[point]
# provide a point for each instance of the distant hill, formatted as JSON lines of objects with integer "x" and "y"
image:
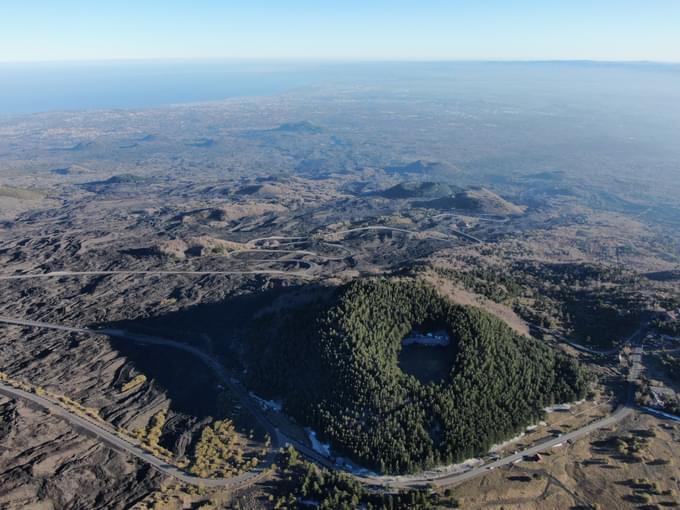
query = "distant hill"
{"x": 249, "y": 190}
{"x": 202, "y": 142}
{"x": 115, "y": 180}
{"x": 265, "y": 189}
{"x": 664, "y": 276}
{"x": 73, "y": 148}
{"x": 479, "y": 200}
{"x": 421, "y": 167}
{"x": 298, "y": 127}
{"x": 426, "y": 189}
{"x": 122, "y": 179}
{"x": 313, "y": 167}
{"x": 547, "y": 176}
{"x": 229, "y": 211}
{"x": 20, "y": 193}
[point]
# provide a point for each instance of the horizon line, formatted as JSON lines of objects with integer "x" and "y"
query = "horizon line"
{"x": 340, "y": 60}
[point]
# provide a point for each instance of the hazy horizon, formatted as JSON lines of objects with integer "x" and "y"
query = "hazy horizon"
{"x": 77, "y": 86}
{"x": 341, "y": 60}
{"x": 621, "y": 30}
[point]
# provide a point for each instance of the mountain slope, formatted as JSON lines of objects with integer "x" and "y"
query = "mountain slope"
{"x": 336, "y": 368}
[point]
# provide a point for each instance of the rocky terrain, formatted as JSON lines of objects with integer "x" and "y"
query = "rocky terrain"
{"x": 188, "y": 221}
{"x": 476, "y": 201}
{"x": 46, "y": 464}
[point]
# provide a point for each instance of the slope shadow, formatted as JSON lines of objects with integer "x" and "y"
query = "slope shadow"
{"x": 217, "y": 328}
{"x": 191, "y": 389}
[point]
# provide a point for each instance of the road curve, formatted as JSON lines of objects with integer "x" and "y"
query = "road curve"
{"x": 442, "y": 237}
{"x": 117, "y": 442}
{"x": 252, "y": 242}
{"x": 280, "y": 439}
{"x": 120, "y": 444}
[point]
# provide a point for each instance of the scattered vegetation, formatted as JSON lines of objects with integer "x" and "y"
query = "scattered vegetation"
{"x": 671, "y": 328}
{"x": 150, "y": 437}
{"x": 672, "y": 406}
{"x": 631, "y": 448}
{"x": 671, "y": 366}
{"x": 154, "y": 433}
{"x": 136, "y": 381}
{"x": 595, "y": 304}
{"x": 495, "y": 285}
{"x": 66, "y": 402}
{"x": 644, "y": 395}
{"x": 20, "y": 193}
{"x": 220, "y": 452}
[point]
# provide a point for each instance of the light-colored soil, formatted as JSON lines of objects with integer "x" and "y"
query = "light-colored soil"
{"x": 459, "y": 295}
{"x": 585, "y": 473}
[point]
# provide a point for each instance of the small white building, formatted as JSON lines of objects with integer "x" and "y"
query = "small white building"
{"x": 437, "y": 338}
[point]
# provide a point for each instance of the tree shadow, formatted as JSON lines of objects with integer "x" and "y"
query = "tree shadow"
{"x": 196, "y": 393}
{"x": 519, "y": 478}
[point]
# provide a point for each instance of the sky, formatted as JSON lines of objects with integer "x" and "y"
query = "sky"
{"x": 51, "y": 30}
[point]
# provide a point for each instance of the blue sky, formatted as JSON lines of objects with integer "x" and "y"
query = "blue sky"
{"x": 46, "y": 30}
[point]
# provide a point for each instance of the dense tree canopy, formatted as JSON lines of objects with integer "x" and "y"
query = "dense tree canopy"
{"x": 336, "y": 369}
{"x": 305, "y": 485}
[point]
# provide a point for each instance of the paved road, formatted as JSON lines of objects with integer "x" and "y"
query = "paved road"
{"x": 279, "y": 438}
{"x": 481, "y": 217}
{"x": 117, "y": 442}
{"x": 53, "y": 274}
{"x": 441, "y": 237}
{"x": 575, "y": 345}
{"x": 254, "y": 242}
{"x": 455, "y": 479}
{"x": 620, "y": 413}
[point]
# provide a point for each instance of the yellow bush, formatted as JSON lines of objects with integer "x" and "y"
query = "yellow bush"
{"x": 137, "y": 380}
{"x": 218, "y": 452}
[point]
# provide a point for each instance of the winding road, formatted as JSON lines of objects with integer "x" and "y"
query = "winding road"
{"x": 304, "y": 274}
{"x": 57, "y": 274}
{"x": 278, "y": 438}
{"x": 441, "y": 237}
{"x": 118, "y": 442}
